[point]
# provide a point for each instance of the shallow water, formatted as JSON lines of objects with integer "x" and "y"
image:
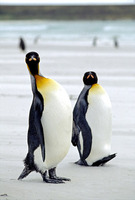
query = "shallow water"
{"x": 70, "y": 31}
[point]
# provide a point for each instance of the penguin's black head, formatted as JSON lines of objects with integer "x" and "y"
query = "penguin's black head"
{"x": 90, "y": 78}
{"x": 32, "y": 59}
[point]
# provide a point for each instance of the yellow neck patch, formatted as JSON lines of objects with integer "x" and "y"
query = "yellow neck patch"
{"x": 45, "y": 84}
{"x": 96, "y": 88}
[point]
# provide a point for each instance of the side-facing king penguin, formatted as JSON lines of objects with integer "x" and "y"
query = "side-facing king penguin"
{"x": 50, "y": 125}
{"x": 92, "y": 123}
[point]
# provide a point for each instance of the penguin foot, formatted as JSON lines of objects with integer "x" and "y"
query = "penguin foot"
{"x": 24, "y": 173}
{"x": 104, "y": 160}
{"x": 52, "y": 177}
{"x": 81, "y": 162}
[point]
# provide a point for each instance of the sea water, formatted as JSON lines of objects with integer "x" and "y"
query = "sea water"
{"x": 67, "y": 32}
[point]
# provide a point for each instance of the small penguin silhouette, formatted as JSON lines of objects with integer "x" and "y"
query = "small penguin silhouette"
{"x": 95, "y": 41}
{"x": 22, "y": 45}
{"x": 116, "y": 44}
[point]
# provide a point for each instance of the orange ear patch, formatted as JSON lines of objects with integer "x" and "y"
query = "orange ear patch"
{"x": 32, "y": 59}
{"x": 92, "y": 76}
{"x": 88, "y": 76}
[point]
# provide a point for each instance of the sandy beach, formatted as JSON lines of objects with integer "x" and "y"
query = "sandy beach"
{"x": 66, "y": 63}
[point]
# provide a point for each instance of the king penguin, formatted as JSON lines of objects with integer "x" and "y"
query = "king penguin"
{"x": 50, "y": 124}
{"x": 92, "y": 123}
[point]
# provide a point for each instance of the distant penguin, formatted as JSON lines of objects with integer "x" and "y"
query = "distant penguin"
{"x": 22, "y": 45}
{"x": 95, "y": 41}
{"x": 36, "y": 39}
{"x": 92, "y": 127}
{"x": 50, "y": 125}
{"x": 116, "y": 44}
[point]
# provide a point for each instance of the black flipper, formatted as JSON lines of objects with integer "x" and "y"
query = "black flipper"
{"x": 87, "y": 139}
{"x": 104, "y": 160}
{"x": 35, "y": 132}
{"x": 81, "y": 125}
{"x": 75, "y": 136}
{"x": 38, "y": 107}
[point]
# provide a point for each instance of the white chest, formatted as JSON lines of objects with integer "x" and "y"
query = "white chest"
{"x": 57, "y": 127}
{"x": 99, "y": 118}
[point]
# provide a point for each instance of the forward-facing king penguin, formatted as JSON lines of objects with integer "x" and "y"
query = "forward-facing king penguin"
{"x": 50, "y": 125}
{"x": 92, "y": 123}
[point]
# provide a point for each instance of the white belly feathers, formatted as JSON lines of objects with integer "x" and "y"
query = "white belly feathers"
{"x": 99, "y": 117}
{"x": 57, "y": 126}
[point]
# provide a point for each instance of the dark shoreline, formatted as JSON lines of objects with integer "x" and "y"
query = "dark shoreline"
{"x": 67, "y": 12}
